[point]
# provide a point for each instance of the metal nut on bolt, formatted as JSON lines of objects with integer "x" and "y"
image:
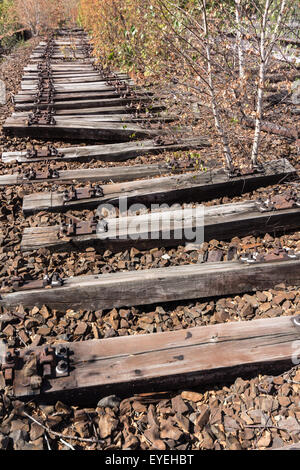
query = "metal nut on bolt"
{"x": 61, "y": 351}
{"x": 62, "y": 367}
{"x": 296, "y": 320}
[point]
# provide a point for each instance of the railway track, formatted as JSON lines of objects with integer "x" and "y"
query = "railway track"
{"x": 78, "y": 99}
{"x": 66, "y": 95}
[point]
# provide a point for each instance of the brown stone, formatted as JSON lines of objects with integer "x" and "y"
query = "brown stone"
{"x": 247, "y": 311}
{"x": 232, "y": 443}
{"x": 107, "y": 425}
{"x": 9, "y": 331}
{"x": 230, "y": 424}
{"x": 81, "y": 329}
{"x": 215, "y": 415}
{"x": 139, "y": 407}
{"x": 18, "y": 424}
{"x": 278, "y": 380}
{"x": 221, "y": 316}
{"x": 274, "y": 312}
{"x": 44, "y": 331}
{"x": 265, "y": 307}
{"x": 265, "y": 440}
{"x": 44, "y": 311}
{"x": 23, "y": 336}
{"x": 261, "y": 297}
{"x": 285, "y": 389}
{"x": 82, "y": 428}
{"x": 245, "y": 417}
{"x": 183, "y": 422}
{"x": 151, "y": 416}
{"x": 152, "y": 435}
{"x": 35, "y": 310}
{"x": 131, "y": 443}
{"x": 207, "y": 442}
{"x": 53, "y": 421}
{"x": 279, "y": 298}
{"x": 192, "y": 396}
{"x": 36, "y": 432}
{"x": 284, "y": 401}
{"x": 178, "y": 405}
{"x": 203, "y": 417}
{"x": 251, "y": 299}
{"x": 170, "y": 432}
{"x": 62, "y": 408}
{"x": 36, "y": 340}
{"x": 114, "y": 319}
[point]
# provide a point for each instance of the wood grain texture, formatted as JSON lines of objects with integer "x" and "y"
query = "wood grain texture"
{"x": 83, "y": 105}
{"x": 112, "y": 152}
{"x": 24, "y": 100}
{"x": 172, "y": 360}
{"x": 77, "y": 130}
{"x": 104, "y": 175}
{"x": 168, "y": 228}
{"x": 73, "y": 88}
{"x": 153, "y": 286}
{"x": 194, "y": 187}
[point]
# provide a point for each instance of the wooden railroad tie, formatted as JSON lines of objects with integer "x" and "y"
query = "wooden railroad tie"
{"x": 24, "y": 101}
{"x": 105, "y": 175}
{"x": 81, "y": 372}
{"x": 194, "y": 186}
{"x": 112, "y": 152}
{"x": 50, "y": 88}
{"x": 151, "y": 286}
{"x": 170, "y": 227}
{"x": 76, "y": 130}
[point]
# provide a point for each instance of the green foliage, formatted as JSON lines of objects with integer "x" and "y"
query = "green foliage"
{"x": 7, "y": 17}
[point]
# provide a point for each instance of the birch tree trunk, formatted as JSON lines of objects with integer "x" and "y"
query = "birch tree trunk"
{"x": 214, "y": 105}
{"x": 239, "y": 38}
{"x": 265, "y": 54}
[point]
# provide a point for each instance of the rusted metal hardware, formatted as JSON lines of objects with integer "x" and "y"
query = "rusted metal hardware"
{"x": 32, "y": 369}
{"x": 19, "y": 283}
{"x": 47, "y": 361}
{"x": 106, "y": 269}
{"x": 31, "y": 174}
{"x": 9, "y": 366}
{"x": 121, "y": 87}
{"x": 296, "y": 320}
{"x": 73, "y": 227}
{"x": 50, "y": 151}
{"x": 98, "y": 67}
{"x": 277, "y": 254}
{"x": 82, "y": 193}
{"x": 126, "y": 94}
{"x": 42, "y": 117}
{"x": 152, "y": 125}
{"x": 54, "y": 362}
{"x": 253, "y": 170}
{"x": 86, "y": 48}
{"x": 45, "y": 90}
{"x": 175, "y": 164}
{"x": 165, "y": 141}
{"x": 287, "y": 200}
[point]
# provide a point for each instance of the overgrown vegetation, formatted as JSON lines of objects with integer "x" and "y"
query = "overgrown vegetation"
{"x": 38, "y": 16}
{"x": 8, "y": 17}
{"x": 219, "y": 50}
